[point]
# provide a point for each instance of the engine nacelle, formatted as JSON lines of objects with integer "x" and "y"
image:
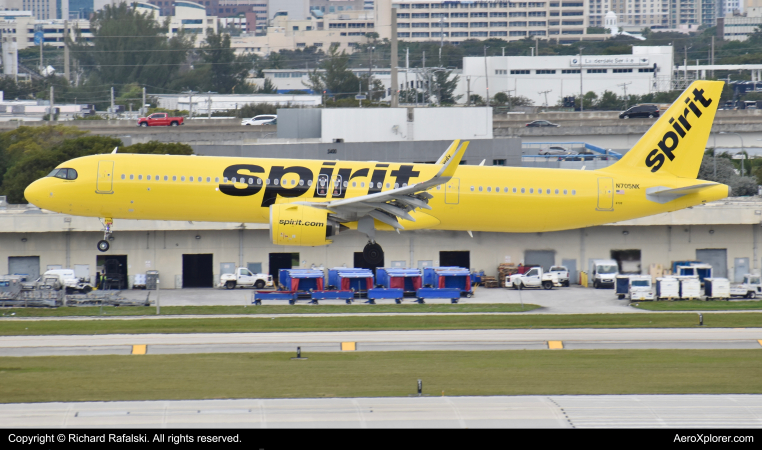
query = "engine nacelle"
{"x": 292, "y": 224}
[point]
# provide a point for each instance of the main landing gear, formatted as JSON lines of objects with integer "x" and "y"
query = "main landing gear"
{"x": 103, "y": 244}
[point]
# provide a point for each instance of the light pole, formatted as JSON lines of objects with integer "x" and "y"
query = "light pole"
{"x": 743, "y": 155}
{"x": 581, "y": 92}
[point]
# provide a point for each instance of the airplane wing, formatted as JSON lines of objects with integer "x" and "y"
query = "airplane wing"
{"x": 389, "y": 206}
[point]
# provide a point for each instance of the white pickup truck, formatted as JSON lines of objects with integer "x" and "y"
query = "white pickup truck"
{"x": 244, "y": 278}
{"x": 750, "y": 288}
{"x": 562, "y": 273}
{"x": 534, "y": 278}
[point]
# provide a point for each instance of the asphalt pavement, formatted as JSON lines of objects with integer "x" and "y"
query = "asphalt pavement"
{"x": 465, "y": 340}
{"x": 565, "y": 411}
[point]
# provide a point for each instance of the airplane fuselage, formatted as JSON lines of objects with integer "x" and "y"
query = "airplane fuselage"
{"x": 476, "y": 198}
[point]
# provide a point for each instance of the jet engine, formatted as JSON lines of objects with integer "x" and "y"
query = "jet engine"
{"x": 292, "y": 224}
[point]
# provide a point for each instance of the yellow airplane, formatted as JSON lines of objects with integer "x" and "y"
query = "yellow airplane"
{"x": 308, "y": 202}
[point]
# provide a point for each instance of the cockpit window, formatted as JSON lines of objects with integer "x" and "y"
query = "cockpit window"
{"x": 64, "y": 174}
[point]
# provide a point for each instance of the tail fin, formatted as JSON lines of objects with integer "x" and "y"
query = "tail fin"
{"x": 449, "y": 152}
{"x": 675, "y": 144}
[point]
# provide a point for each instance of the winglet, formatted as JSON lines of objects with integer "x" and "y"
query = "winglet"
{"x": 449, "y": 152}
{"x": 448, "y": 170}
{"x": 115, "y": 149}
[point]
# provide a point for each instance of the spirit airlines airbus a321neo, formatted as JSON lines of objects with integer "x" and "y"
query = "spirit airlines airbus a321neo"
{"x": 307, "y": 202}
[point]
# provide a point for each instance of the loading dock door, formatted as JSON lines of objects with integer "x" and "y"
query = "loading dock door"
{"x": 360, "y": 263}
{"x": 740, "y": 268}
{"x": 105, "y": 183}
{"x": 452, "y": 191}
{"x": 282, "y": 261}
{"x": 544, "y": 258}
{"x": 605, "y": 194}
{"x": 455, "y": 259}
{"x": 571, "y": 264}
{"x": 717, "y": 258}
{"x": 28, "y": 265}
{"x": 198, "y": 271}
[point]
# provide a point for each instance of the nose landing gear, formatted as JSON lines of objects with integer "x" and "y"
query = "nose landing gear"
{"x": 103, "y": 244}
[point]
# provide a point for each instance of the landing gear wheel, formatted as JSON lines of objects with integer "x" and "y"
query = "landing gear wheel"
{"x": 103, "y": 245}
{"x": 373, "y": 253}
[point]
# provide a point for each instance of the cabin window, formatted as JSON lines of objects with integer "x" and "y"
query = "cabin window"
{"x": 346, "y": 184}
{"x": 225, "y": 179}
{"x": 480, "y": 189}
{"x": 564, "y": 191}
{"x": 148, "y": 177}
{"x": 132, "y": 177}
{"x": 259, "y": 181}
{"x": 522, "y": 190}
{"x": 362, "y": 184}
{"x": 301, "y": 182}
{"x": 539, "y": 191}
{"x": 497, "y": 189}
{"x": 251, "y": 180}
{"x": 439, "y": 187}
{"x": 309, "y": 182}
{"x": 123, "y": 177}
{"x": 174, "y": 177}
{"x": 556, "y": 191}
{"x": 267, "y": 181}
{"x": 166, "y": 178}
{"x": 547, "y": 191}
{"x": 208, "y": 179}
{"x": 234, "y": 179}
{"x": 472, "y": 189}
{"x": 217, "y": 180}
{"x": 387, "y": 185}
{"x": 190, "y": 179}
{"x": 531, "y": 190}
{"x": 354, "y": 184}
{"x": 140, "y": 177}
{"x": 276, "y": 181}
{"x": 182, "y": 178}
{"x": 514, "y": 190}
{"x": 293, "y": 182}
{"x": 404, "y": 184}
{"x": 396, "y": 185}
{"x": 574, "y": 192}
{"x": 489, "y": 188}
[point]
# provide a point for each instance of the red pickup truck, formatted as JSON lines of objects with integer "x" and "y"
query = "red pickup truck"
{"x": 160, "y": 120}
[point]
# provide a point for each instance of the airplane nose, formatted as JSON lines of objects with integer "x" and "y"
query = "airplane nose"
{"x": 35, "y": 193}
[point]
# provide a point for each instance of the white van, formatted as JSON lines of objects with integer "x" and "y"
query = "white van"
{"x": 604, "y": 273}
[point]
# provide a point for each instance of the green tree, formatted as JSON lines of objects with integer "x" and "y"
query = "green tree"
{"x": 726, "y": 174}
{"x": 337, "y": 79}
{"x": 444, "y": 86}
{"x": 228, "y": 71}
{"x": 267, "y": 88}
{"x": 146, "y": 57}
{"x": 609, "y": 101}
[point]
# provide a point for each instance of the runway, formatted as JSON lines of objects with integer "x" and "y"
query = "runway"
{"x": 466, "y": 340}
{"x": 573, "y": 411}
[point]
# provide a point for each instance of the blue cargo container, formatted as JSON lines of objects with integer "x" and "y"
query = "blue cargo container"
{"x": 409, "y": 280}
{"x": 345, "y": 278}
{"x": 300, "y": 280}
{"x": 448, "y": 277}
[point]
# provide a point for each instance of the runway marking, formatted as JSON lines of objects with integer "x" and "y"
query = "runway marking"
{"x": 348, "y": 346}
{"x": 760, "y": 341}
{"x": 555, "y": 345}
{"x": 139, "y": 349}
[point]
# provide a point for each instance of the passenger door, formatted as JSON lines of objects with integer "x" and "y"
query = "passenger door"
{"x": 605, "y": 194}
{"x": 532, "y": 278}
{"x": 105, "y": 180}
{"x": 452, "y": 191}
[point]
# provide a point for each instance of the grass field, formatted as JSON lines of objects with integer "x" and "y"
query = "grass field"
{"x": 366, "y": 323}
{"x": 375, "y": 374}
{"x": 699, "y": 305}
{"x": 264, "y": 309}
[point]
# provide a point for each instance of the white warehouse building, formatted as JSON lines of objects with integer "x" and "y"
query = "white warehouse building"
{"x": 646, "y": 70}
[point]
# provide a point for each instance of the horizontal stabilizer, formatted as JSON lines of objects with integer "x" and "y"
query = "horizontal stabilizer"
{"x": 661, "y": 194}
